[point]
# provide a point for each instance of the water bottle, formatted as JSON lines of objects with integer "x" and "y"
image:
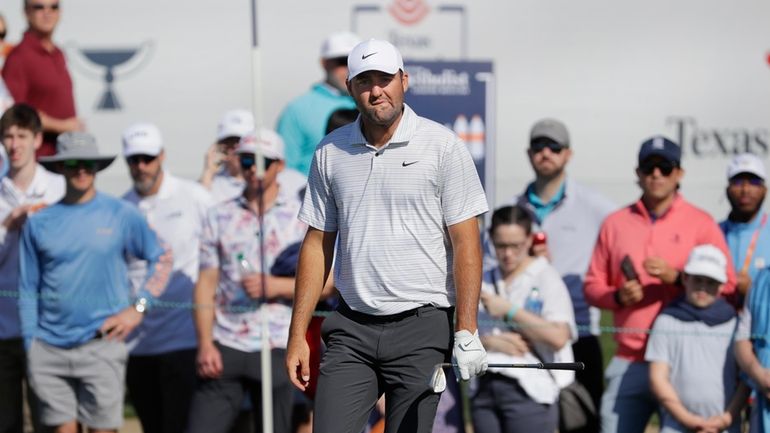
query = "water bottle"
{"x": 244, "y": 266}
{"x": 534, "y": 302}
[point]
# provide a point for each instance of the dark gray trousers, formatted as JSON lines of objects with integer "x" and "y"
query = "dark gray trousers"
{"x": 502, "y": 406}
{"x": 367, "y": 356}
{"x": 217, "y": 402}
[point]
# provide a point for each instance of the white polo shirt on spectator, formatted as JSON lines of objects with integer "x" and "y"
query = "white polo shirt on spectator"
{"x": 572, "y": 228}
{"x": 391, "y": 207}
{"x": 177, "y": 214}
{"x": 46, "y": 188}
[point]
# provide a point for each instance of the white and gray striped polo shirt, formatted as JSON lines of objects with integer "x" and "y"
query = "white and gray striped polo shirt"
{"x": 391, "y": 208}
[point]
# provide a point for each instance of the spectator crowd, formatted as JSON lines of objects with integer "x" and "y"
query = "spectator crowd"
{"x": 160, "y": 295}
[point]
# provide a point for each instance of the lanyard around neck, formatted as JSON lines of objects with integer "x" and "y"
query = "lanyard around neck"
{"x": 753, "y": 245}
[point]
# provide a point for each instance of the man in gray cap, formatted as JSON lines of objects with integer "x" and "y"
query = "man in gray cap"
{"x": 74, "y": 297}
{"x": 569, "y": 215}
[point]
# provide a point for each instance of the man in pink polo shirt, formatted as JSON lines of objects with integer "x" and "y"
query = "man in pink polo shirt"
{"x": 653, "y": 237}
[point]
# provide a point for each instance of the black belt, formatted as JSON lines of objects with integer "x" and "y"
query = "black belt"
{"x": 359, "y": 317}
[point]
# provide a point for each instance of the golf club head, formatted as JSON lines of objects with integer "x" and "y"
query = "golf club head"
{"x": 438, "y": 379}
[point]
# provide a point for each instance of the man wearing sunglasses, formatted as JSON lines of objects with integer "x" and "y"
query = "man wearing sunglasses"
{"x": 570, "y": 214}
{"x": 230, "y": 281}
{"x": 36, "y": 74}
{"x": 161, "y": 374}
{"x": 222, "y": 171}
{"x": 746, "y": 229}
{"x": 28, "y": 187}
{"x": 302, "y": 124}
{"x": 636, "y": 270}
{"x": 75, "y": 301}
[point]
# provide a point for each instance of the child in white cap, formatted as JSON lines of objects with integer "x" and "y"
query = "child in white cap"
{"x": 692, "y": 369}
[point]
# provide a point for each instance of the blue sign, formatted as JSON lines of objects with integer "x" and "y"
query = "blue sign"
{"x": 460, "y": 96}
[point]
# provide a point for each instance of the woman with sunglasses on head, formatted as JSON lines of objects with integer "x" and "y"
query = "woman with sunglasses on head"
{"x": 529, "y": 319}
{"x": 635, "y": 271}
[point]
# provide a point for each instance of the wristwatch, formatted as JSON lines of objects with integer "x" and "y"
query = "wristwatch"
{"x": 140, "y": 305}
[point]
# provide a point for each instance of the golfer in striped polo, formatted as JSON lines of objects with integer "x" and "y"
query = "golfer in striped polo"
{"x": 402, "y": 194}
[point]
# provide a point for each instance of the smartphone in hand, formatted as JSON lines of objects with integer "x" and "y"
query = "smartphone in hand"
{"x": 627, "y": 267}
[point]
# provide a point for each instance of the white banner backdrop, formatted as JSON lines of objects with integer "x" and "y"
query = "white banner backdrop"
{"x": 614, "y": 72}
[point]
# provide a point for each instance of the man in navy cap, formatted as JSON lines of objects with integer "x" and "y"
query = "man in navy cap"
{"x": 636, "y": 270}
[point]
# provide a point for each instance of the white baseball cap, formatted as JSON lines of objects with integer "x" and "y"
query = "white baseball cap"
{"x": 746, "y": 163}
{"x": 339, "y": 45}
{"x": 142, "y": 139}
{"x": 708, "y": 261}
{"x": 235, "y": 123}
{"x": 374, "y": 55}
{"x": 266, "y": 140}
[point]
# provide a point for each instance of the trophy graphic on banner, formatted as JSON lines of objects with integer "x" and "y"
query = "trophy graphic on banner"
{"x": 109, "y": 65}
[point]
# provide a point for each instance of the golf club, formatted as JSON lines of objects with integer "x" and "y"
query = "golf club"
{"x": 438, "y": 378}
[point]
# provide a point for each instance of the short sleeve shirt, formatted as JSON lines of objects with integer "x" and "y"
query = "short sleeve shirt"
{"x": 702, "y": 366}
{"x": 232, "y": 229}
{"x": 557, "y": 308}
{"x": 391, "y": 207}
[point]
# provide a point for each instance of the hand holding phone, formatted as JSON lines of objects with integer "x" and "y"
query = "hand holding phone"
{"x": 631, "y": 292}
{"x": 627, "y": 267}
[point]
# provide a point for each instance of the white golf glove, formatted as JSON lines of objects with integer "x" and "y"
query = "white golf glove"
{"x": 469, "y": 355}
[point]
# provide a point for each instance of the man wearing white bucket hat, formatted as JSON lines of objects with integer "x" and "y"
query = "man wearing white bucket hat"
{"x": 403, "y": 195}
{"x": 75, "y": 302}
{"x": 302, "y": 123}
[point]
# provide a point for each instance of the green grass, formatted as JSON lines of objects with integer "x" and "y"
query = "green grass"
{"x": 608, "y": 342}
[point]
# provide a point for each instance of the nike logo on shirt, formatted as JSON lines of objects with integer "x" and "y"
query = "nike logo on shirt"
{"x": 407, "y": 164}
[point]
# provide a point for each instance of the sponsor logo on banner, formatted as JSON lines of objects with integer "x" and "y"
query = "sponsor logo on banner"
{"x": 423, "y": 81}
{"x": 705, "y": 142}
{"x": 110, "y": 65}
{"x": 419, "y": 28}
{"x": 409, "y": 12}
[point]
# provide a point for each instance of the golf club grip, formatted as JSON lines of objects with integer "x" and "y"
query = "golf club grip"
{"x": 544, "y": 366}
{"x": 577, "y": 366}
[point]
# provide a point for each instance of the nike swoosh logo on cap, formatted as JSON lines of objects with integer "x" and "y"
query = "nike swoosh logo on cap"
{"x": 364, "y": 57}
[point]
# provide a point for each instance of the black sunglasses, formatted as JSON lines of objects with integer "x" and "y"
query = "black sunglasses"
{"x": 665, "y": 167}
{"x": 2, "y": 34}
{"x": 145, "y": 159}
{"x": 40, "y": 6}
{"x": 73, "y": 164}
{"x": 338, "y": 61}
{"x": 538, "y": 146}
{"x": 740, "y": 181}
{"x": 248, "y": 161}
